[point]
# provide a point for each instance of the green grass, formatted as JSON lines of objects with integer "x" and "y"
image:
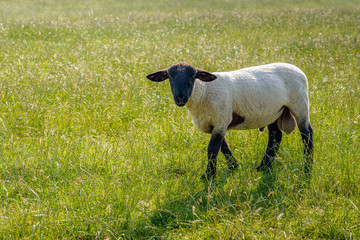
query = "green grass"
{"x": 90, "y": 149}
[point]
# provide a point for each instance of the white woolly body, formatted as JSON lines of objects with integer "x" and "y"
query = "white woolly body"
{"x": 257, "y": 94}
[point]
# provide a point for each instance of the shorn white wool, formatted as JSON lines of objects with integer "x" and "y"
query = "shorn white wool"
{"x": 273, "y": 95}
{"x": 257, "y": 94}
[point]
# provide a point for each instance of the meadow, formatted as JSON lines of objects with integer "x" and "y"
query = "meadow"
{"x": 90, "y": 149}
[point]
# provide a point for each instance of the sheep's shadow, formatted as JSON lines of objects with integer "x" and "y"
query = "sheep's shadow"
{"x": 198, "y": 205}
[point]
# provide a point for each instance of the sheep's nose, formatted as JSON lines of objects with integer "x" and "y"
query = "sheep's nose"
{"x": 181, "y": 100}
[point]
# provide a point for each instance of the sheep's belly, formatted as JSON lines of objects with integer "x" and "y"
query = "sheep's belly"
{"x": 254, "y": 122}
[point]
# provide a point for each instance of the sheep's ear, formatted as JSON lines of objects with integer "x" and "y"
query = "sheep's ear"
{"x": 158, "y": 76}
{"x": 205, "y": 76}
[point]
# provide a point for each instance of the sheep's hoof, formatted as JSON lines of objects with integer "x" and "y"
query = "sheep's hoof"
{"x": 207, "y": 176}
{"x": 233, "y": 165}
{"x": 263, "y": 168}
{"x": 307, "y": 169}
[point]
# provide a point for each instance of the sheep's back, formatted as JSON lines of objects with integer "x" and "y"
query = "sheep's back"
{"x": 260, "y": 93}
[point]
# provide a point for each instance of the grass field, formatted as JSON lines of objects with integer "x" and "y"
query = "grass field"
{"x": 90, "y": 149}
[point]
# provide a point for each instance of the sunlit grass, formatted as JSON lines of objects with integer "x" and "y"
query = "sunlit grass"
{"x": 90, "y": 149}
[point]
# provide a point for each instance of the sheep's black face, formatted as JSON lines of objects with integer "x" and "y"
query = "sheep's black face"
{"x": 182, "y": 79}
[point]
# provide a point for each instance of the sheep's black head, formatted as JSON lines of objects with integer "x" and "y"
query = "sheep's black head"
{"x": 182, "y": 78}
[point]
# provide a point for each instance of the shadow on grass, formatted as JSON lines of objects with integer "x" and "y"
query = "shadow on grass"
{"x": 214, "y": 201}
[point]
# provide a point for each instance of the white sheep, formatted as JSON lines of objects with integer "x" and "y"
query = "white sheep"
{"x": 273, "y": 95}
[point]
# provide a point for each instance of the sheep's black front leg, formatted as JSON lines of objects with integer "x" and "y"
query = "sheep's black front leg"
{"x": 213, "y": 150}
{"x": 307, "y": 138}
{"x": 230, "y": 159}
{"x": 275, "y": 136}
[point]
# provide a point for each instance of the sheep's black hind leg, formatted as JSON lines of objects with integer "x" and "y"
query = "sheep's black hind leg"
{"x": 230, "y": 159}
{"x": 275, "y": 136}
{"x": 307, "y": 138}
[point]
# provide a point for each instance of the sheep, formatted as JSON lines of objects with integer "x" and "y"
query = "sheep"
{"x": 273, "y": 96}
